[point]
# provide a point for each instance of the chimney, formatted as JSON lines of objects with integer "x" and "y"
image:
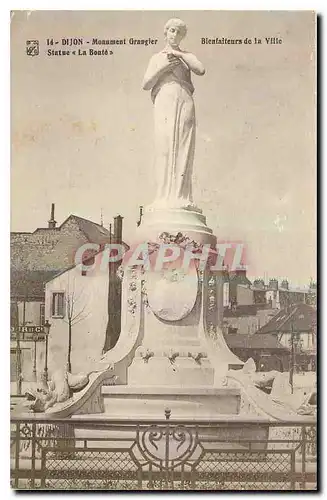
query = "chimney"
{"x": 118, "y": 229}
{"x": 284, "y": 284}
{"x": 240, "y": 271}
{"x": 52, "y": 222}
{"x": 259, "y": 283}
{"x": 273, "y": 284}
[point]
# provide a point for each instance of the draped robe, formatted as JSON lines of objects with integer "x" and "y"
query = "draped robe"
{"x": 174, "y": 126}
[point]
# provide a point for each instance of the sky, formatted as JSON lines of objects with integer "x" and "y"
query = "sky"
{"x": 82, "y": 128}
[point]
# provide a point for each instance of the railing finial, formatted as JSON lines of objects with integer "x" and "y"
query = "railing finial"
{"x": 167, "y": 413}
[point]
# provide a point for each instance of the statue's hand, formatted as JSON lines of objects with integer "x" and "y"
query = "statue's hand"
{"x": 175, "y": 62}
{"x": 171, "y": 61}
{"x": 175, "y": 59}
{"x": 174, "y": 53}
{"x": 171, "y": 65}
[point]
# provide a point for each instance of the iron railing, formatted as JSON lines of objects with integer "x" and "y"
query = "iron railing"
{"x": 98, "y": 453}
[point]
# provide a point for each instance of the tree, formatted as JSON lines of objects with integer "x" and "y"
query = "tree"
{"x": 75, "y": 313}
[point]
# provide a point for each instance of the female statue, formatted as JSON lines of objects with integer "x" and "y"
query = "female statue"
{"x": 168, "y": 76}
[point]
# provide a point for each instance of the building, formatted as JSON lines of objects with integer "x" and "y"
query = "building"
{"x": 246, "y": 319}
{"x": 249, "y": 306}
{"x": 242, "y": 314}
{"x": 84, "y": 309}
{"x": 27, "y": 309}
{"x": 266, "y": 351}
{"x": 53, "y": 248}
{"x": 236, "y": 288}
{"x": 35, "y": 258}
{"x": 77, "y": 306}
{"x": 280, "y": 295}
{"x": 295, "y": 327}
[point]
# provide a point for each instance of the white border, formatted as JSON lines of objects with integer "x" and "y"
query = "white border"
{"x": 318, "y": 6}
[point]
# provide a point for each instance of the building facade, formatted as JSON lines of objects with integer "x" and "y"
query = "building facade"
{"x": 266, "y": 351}
{"x": 296, "y": 329}
{"x": 36, "y": 257}
{"x": 76, "y": 303}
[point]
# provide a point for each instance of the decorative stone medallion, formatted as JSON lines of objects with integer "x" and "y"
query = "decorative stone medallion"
{"x": 172, "y": 292}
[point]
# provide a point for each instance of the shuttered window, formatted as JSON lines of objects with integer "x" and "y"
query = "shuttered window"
{"x": 58, "y": 304}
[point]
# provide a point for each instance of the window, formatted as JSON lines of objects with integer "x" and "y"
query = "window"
{"x": 58, "y": 304}
{"x": 226, "y": 294}
{"x": 42, "y": 314}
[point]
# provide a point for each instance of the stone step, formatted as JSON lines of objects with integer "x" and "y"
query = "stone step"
{"x": 151, "y": 401}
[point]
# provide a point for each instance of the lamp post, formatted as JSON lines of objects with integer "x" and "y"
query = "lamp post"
{"x": 46, "y": 327}
{"x": 18, "y": 364}
{"x": 34, "y": 359}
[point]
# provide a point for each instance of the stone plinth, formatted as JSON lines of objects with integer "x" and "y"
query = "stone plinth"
{"x": 171, "y": 352}
{"x": 184, "y": 402}
{"x": 189, "y": 221}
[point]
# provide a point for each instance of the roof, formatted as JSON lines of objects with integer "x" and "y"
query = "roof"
{"x": 239, "y": 341}
{"x": 54, "y": 248}
{"x": 29, "y": 284}
{"x": 300, "y": 317}
{"x": 239, "y": 278}
{"x": 246, "y": 310}
{"x": 290, "y": 289}
{"x": 39, "y": 256}
{"x": 95, "y": 233}
{"x": 236, "y": 277}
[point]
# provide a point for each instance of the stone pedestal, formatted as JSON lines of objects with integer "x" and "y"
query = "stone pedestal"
{"x": 182, "y": 343}
{"x": 178, "y": 357}
{"x": 189, "y": 221}
{"x": 171, "y": 352}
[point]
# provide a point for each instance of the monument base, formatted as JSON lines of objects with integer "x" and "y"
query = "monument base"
{"x": 171, "y": 352}
{"x": 183, "y": 402}
{"x": 188, "y": 221}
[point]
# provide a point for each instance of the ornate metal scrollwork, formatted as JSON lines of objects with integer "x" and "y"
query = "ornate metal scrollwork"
{"x": 167, "y": 446}
{"x": 42, "y": 434}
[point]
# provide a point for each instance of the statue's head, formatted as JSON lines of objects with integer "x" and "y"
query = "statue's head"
{"x": 175, "y": 30}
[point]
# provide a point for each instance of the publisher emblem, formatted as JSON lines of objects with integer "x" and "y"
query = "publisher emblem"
{"x": 32, "y": 47}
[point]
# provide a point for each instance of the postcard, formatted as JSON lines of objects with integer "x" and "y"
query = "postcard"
{"x": 163, "y": 292}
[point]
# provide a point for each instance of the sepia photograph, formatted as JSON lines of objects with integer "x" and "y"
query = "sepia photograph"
{"x": 163, "y": 250}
